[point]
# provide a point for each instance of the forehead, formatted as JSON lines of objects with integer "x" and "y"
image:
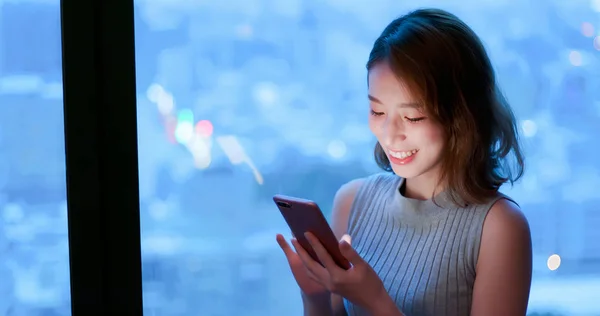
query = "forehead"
{"x": 386, "y": 86}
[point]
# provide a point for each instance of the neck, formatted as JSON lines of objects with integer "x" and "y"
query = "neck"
{"x": 422, "y": 187}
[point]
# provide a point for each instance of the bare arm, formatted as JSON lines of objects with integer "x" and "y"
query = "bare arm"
{"x": 339, "y": 224}
{"x": 503, "y": 272}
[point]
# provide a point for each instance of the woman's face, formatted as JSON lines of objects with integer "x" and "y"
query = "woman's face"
{"x": 411, "y": 140}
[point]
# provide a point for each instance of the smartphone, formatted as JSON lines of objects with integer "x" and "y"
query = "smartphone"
{"x": 305, "y": 216}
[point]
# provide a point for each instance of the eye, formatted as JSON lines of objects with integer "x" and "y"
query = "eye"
{"x": 415, "y": 119}
{"x": 376, "y": 113}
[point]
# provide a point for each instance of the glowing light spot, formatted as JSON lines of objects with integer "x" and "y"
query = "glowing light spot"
{"x": 529, "y": 128}
{"x": 164, "y": 100}
{"x": 233, "y": 149}
{"x": 204, "y": 128}
{"x": 336, "y": 149}
{"x": 597, "y": 42}
{"x": 201, "y": 150}
{"x": 184, "y": 132}
{"x": 20, "y": 84}
{"x": 202, "y": 161}
{"x": 237, "y": 155}
{"x": 185, "y": 115}
{"x": 595, "y": 4}
{"x": 587, "y": 29}
{"x": 154, "y": 91}
{"x": 166, "y": 104}
{"x": 553, "y": 262}
{"x": 265, "y": 94}
{"x": 575, "y": 58}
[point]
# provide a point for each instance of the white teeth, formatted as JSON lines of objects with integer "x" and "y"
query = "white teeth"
{"x": 403, "y": 154}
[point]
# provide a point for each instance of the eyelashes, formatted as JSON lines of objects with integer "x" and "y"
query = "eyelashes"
{"x": 414, "y": 120}
{"x": 410, "y": 119}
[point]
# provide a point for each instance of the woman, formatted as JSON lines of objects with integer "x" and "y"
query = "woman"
{"x": 435, "y": 237}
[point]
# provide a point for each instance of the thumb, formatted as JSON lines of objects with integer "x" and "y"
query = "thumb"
{"x": 349, "y": 252}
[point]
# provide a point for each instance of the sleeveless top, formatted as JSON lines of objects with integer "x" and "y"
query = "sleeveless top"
{"x": 424, "y": 251}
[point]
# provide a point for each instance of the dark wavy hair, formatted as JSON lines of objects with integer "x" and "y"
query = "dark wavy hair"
{"x": 444, "y": 64}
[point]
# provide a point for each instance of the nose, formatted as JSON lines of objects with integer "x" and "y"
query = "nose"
{"x": 394, "y": 131}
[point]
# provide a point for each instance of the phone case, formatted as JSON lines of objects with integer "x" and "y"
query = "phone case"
{"x": 305, "y": 216}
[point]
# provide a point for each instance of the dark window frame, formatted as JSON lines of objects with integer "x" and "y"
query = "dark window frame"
{"x": 101, "y": 157}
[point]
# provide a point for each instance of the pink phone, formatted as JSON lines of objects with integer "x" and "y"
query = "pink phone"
{"x": 305, "y": 216}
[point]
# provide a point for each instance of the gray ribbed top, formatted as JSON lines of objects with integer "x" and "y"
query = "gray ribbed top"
{"x": 425, "y": 253}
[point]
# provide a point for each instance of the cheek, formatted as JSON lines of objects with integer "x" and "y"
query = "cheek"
{"x": 375, "y": 127}
{"x": 434, "y": 136}
{"x": 427, "y": 135}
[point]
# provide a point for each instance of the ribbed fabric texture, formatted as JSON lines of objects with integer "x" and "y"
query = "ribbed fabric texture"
{"x": 424, "y": 251}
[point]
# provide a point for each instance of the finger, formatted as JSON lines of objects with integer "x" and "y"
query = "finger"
{"x": 306, "y": 258}
{"x": 287, "y": 249}
{"x": 349, "y": 253}
{"x": 313, "y": 266}
{"x": 347, "y": 239}
{"x": 322, "y": 253}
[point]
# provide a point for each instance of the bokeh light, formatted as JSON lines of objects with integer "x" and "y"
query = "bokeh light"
{"x": 575, "y": 58}
{"x": 553, "y": 262}
{"x": 587, "y": 29}
{"x": 204, "y": 128}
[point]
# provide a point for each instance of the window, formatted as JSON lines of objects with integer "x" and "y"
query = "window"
{"x": 239, "y": 100}
{"x": 34, "y": 270}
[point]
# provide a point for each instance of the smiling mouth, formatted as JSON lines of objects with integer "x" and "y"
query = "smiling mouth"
{"x": 402, "y": 154}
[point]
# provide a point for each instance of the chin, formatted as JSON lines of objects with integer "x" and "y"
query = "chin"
{"x": 406, "y": 172}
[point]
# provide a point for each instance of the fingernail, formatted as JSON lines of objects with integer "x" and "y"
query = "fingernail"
{"x": 347, "y": 239}
{"x": 308, "y": 236}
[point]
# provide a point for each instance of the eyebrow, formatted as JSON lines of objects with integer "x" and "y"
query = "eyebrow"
{"x": 413, "y": 105}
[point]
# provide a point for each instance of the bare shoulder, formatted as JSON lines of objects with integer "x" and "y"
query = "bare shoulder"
{"x": 505, "y": 219}
{"x": 505, "y": 233}
{"x": 342, "y": 203}
{"x": 346, "y": 193}
{"x": 503, "y": 272}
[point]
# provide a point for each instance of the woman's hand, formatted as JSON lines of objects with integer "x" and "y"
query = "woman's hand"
{"x": 309, "y": 287}
{"x": 360, "y": 284}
